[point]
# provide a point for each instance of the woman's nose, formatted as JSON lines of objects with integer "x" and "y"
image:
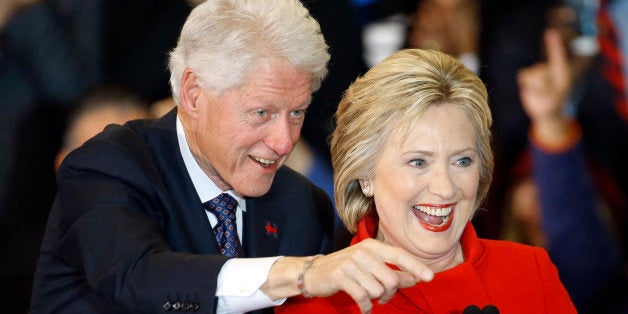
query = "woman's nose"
{"x": 441, "y": 183}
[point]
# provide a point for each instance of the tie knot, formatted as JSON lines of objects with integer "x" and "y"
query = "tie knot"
{"x": 223, "y": 206}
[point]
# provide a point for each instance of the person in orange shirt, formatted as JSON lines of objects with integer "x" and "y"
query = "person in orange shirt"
{"x": 412, "y": 165}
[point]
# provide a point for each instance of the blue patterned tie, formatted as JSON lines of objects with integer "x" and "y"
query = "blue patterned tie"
{"x": 224, "y": 207}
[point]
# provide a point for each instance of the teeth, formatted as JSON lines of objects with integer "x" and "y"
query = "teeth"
{"x": 266, "y": 162}
{"x": 435, "y": 211}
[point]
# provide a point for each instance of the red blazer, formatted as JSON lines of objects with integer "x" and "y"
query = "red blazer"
{"x": 513, "y": 277}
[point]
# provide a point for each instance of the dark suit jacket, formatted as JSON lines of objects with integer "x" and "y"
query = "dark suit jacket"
{"x": 128, "y": 233}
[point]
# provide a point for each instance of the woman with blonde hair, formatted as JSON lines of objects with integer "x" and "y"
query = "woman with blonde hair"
{"x": 412, "y": 164}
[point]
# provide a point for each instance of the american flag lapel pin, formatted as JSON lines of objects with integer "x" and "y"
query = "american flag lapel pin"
{"x": 271, "y": 228}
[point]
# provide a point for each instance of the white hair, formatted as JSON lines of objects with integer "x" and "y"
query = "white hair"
{"x": 222, "y": 40}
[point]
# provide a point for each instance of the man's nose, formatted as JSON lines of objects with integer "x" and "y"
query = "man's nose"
{"x": 282, "y": 136}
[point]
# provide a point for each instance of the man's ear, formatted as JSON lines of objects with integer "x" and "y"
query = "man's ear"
{"x": 190, "y": 93}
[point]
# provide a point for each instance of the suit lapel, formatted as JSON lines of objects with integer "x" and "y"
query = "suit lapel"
{"x": 264, "y": 223}
{"x": 187, "y": 227}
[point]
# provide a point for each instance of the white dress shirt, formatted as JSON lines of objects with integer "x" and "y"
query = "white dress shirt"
{"x": 239, "y": 279}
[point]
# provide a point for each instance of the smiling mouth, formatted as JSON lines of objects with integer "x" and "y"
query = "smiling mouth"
{"x": 266, "y": 163}
{"x": 434, "y": 218}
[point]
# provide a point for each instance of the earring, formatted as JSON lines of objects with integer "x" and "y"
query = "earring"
{"x": 366, "y": 189}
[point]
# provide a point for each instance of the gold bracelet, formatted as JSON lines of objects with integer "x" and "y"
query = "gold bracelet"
{"x": 300, "y": 282}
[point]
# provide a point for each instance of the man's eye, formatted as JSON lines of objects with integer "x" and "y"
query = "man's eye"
{"x": 261, "y": 113}
{"x": 259, "y": 116}
{"x": 297, "y": 116}
{"x": 298, "y": 113}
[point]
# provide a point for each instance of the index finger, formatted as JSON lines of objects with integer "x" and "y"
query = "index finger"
{"x": 556, "y": 55}
{"x": 405, "y": 261}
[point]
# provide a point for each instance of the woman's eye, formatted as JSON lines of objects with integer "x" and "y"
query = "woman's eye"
{"x": 464, "y": 162}
{"x": 418, "y": 163}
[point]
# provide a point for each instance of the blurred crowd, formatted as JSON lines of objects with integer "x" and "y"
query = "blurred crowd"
{"x": 555, "y": 70}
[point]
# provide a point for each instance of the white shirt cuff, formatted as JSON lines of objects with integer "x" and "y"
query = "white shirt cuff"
{"x": 238, "y": 285}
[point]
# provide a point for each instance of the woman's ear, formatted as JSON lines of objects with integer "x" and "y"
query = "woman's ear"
{"x": 190, "y": 93}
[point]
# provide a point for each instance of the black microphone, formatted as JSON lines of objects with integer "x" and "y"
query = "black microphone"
{"x": 474, "y": 309}
{"x": 490, "y": 309}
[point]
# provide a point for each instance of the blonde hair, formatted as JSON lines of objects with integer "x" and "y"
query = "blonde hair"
{"x": 394, "y": 93}
{"x": 222, "y": 40}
